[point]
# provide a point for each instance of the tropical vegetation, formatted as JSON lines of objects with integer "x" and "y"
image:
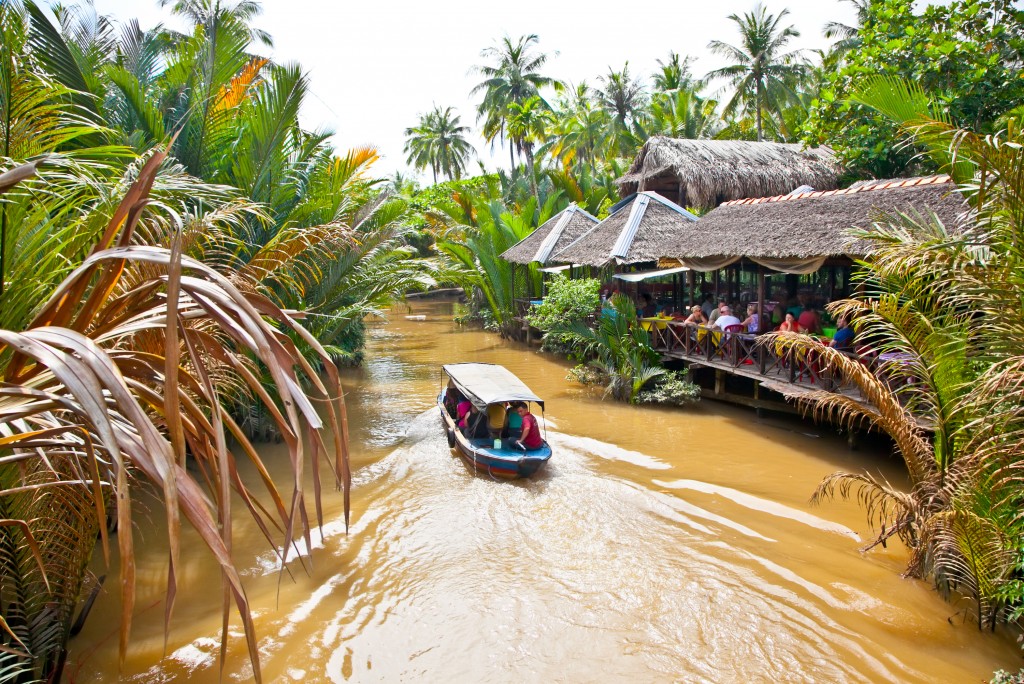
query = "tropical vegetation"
{"x": 165, "y": 225}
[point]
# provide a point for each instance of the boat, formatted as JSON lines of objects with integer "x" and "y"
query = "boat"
{"x": 491, "y": 388}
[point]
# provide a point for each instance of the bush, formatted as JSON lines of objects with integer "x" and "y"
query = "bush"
{"x": 587, "y": 375}
{"x": 672, "y": 388}
{"x": 1004, "y": 677}
{"x": 567, "y": 302}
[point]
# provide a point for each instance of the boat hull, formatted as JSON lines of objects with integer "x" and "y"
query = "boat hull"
{"x": 507, "y": 462}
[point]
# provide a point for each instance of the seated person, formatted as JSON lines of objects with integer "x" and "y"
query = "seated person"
{"x": 461, "y": 411}
{"x": 452, "y": 397}
{"x": 474, "y": 425}
{"x": 843, "y": 339}
{"x": 696, "y": 316}
{"x": 752, "y": 322}
{"x": 647, "y": 308}
{"x": 810, "y": 321}
{"x": 513, "y": 424}
{"x": 713, "y": 316}
{"x": 790, "y": 324}
{"x": 726, "y": 319}
{"x": 530, "y": 439}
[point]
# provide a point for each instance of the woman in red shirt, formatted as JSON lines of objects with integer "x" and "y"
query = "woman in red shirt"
{"x": 530, "y": 437}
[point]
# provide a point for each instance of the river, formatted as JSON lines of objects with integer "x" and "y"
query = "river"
{"x": 657, "y": 545}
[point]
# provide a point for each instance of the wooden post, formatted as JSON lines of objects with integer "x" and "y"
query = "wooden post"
{"x": 719, "y": 381}
{"x": 761, "y": 327}
{"x": 691, "y": 283}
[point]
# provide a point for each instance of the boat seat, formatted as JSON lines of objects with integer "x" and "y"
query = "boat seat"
{"x": 496, "y": 418}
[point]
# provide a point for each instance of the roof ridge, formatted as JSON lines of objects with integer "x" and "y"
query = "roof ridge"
{"x": 935, "y": 179}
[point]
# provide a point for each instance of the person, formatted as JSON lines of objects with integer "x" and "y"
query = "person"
{"x": 452, "y": 397}
{"x": 513, "y": 423}
{"x": 726, "y": 318}
{"x": 474, "y": 424}
{"x": 753, "y": 321}
{"x": 696, "y": 316}
{"x": 713, "y": 318}
{"x": 461, "y": 411}
{"x": 530, "y": 437}
{"x": 708, "y": 306}
{"x": 809, "y": 320}
{"x": 843, "y": 339}
{"x": 790, "y": 324}
{"x": 648, "y": 309}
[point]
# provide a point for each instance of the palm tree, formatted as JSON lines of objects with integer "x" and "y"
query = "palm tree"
{"x": 925, "y": 289}
{"x": 527, "y": 125}
{"x": 580, "y": 131}
{"x": 439, "y": 143}
{"x": 847, "y": 38}
{"x": 761, "y": 73}
{"x": 682, "y": 114}
{"x": 673, "y": 74}
{"x": 513, "y": 78}
{"x": 623, "y": 98}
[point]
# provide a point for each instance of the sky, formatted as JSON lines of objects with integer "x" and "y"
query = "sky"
{"x": 375, "y": 66}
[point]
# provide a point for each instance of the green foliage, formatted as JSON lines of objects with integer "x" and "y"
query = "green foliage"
{"x": 673, "y": 388}
{"x": 1004, "y": 677}
{"x": 619, "y": 350}
{"x": 568, "y": 301}
{"x": 968, "y": 53}
{"x": 438, "y": 142}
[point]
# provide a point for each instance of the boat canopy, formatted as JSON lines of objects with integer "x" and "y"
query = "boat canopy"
{"x": 488, "y": 383}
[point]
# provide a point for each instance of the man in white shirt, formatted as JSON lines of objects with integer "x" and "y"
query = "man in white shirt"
{"x": 717, "y": 312}
{"x": 726, "y": 319}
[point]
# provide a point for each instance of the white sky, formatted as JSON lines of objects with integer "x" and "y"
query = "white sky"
{"x": 374, "y": 66}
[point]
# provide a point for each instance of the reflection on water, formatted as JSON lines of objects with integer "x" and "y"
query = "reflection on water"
{"x": 657, "y": 545}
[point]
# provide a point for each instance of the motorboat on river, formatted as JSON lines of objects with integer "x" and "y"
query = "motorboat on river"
{"x": 491, "y": 389}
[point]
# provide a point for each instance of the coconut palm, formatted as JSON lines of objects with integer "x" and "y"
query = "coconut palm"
{"x": 528, "y": 125}
{"x": 761, "y": 73}
{"x": 681, "y": 114}
{"x": 580, "y": 130}
{"x": 845, "y": 35}
{"x": 512, "y": 78}
{"x": 623, "y": 98}
{"x": 439, "y": 143}
{"x": 674, "y": 74}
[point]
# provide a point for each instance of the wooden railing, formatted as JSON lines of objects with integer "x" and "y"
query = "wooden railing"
{"x": 753, "y": 353}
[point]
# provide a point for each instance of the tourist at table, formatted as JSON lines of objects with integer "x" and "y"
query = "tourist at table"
{"x": 696, "y": 317}
{"x": 647, "y": 308}
{"x": 809, "y": 321}
{"x": 790, "y": 324}
{"x": 725, "y": 319}
{"x": 843, "y": 339}
{"x": 753, "y": 321}
{"x": 722, "y": 304}
{"x": 708, "y": 307}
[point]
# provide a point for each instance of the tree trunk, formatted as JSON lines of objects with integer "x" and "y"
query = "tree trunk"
{"x": 533, "y": 177}
{"x": 757, "y": 110}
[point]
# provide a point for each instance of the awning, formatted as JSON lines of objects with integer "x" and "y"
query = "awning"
{"x": 644, "y": 275}
{"x": 488, "y": 383}
{"x": 557, "y": 269}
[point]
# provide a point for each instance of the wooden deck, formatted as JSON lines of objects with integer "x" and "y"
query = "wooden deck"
{"x": 793, "y": 373}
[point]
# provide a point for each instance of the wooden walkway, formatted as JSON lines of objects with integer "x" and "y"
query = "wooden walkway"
{"x": 794, "y": 373}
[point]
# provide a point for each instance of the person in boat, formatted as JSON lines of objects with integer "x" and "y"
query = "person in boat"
{"x": 474, "y": 424}
{"x": 530, "y": 437}
{"x": 513, "y": 423}
{"x": 452, "y": 397}
{"x": 461, "y": 411}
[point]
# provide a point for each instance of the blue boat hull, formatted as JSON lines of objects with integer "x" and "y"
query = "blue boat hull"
{"x": 507, "y": 462}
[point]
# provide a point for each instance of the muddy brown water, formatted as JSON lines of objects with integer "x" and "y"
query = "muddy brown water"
{"x": 657, "y": 545}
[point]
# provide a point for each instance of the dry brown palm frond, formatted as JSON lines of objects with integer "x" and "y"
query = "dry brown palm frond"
{"x": 888, "y": 415}
{"x": 889, "y": 511}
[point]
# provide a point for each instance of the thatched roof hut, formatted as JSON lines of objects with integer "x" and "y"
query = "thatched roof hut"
{"x": 811, "y": 225}
{"x": 635, "y": 233}
{"x": 705, "y": 173}
{"x": 554, "y": 234}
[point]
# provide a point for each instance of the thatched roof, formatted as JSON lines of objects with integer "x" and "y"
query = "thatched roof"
{"x": 635, "y": 233}
{"x": 552, "y": 235}
{"x": 705, "y": 173}
{"x": 813, "y": 224}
